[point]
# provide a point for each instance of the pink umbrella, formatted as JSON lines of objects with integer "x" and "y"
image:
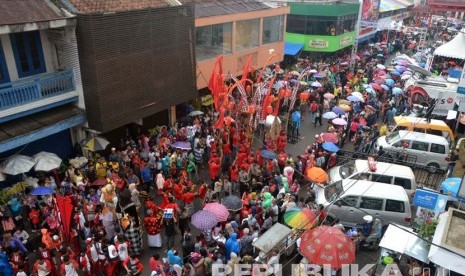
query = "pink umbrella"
{"x": 376, "y": 86}
{"x": 221, "y": 213}
{"x": 357, "y": 57}
{"x": 330, "y": 137}
{"x": 381, "y": 72}
{"x": 328, "y": 96}
{"x": 339, "y": 122}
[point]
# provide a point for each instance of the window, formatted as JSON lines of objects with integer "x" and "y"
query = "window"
{"x": 4, "y": 76}
{"x": 273, "y": 28}
{"x": 27, "y": 49}
{"x": 296, "y": 24}
{"x": 371, "y": 203}
{"x": 247, "y": 34}
{"x": 436, "y": 148}
{"x": 417, "y": 145}
{"x": 403, "y": 182}
{"x": 395, "y": 206}
{"x": 213, "y": 40}
{"x": 381, "y": 178}
{"x": 350, "y": 201}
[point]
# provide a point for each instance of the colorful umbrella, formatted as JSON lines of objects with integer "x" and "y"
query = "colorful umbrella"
{"x": 316, "y": 174}
{"x": 42, "y": 190}
{"x": 316, "y": 84}
{"x": 357, "y": 94}
{"x": 328, "y": 96}
{"x": 327, "y": 245}
{"x": 318, "y": 76}
{"x": 268, "y": 154}
{"x": 232, "y": 203}
{"x": 450, "y": 186}
{"x": 354, "y": 99}
{"x": 395, "y": 73}
{"x": 344, "y": 102}
{"x": 313, "y": 71}
{"x": 385, "y": 87}
{"x": 339, "y": 122}
{"x": 376, "y": 86}
{"x": 338, "y": 110}
{"x": 221, "y": 213}
{"x": 405, "y": 77}
{"x": 195, "y": 113}
{"x": 397, "y": 91}
{"x": 330, "y": 147}
{"x": 96, "y": 144}
{"x": 329, "y": 137}
{"x": 204, "y": 220}
{"x": 17, "y": 164}
{"x": 356, "y": 57}
{"x": 295, "y": 73}
{"x": 300, "y": 218}
{"x": 380, "y": 66}
{"x": 390, "y": 82}
{"x": 370, "y": 90}
{"x": 181, "y": 145}
{"x": 329, "y": 115}
{"x": 366, "y": 53}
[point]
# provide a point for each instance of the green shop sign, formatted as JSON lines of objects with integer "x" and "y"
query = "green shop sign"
{"x": 321, "y": 43}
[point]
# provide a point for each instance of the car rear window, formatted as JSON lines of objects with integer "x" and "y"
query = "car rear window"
{"x": 395, "y": 206}
{"x": 436, "y": 148}
{"x": 403, "y": 182}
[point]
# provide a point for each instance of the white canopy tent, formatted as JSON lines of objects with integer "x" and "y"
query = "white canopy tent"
{"x": 454, "y": 48}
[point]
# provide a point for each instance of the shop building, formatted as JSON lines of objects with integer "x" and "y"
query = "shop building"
{"x": 41, "y": 95}
{"x": 325, "y": 27}
{"x": 237, "y": 30}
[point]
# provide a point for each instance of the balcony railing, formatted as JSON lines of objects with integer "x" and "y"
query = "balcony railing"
{"x": 36, "y": 88}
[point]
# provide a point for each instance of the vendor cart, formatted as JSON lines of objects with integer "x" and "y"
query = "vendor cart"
{"x": 278, "y": 238}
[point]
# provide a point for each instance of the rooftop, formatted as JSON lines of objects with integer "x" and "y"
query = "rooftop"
{"x": 110, "y": 6}
{"x": 28, "y": 11}
{"x": 207, "y": 8}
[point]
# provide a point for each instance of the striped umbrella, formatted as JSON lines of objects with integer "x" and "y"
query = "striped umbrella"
{"x": 204, "y": 220}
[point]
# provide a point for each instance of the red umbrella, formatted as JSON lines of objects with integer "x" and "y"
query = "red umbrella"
{"x": 327, "y": 245}
{"x": 330, "y": 137}
{"x": 376, "y": 86}
{"x": 221, "y": 213}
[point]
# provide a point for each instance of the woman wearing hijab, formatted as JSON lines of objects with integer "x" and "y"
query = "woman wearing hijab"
{"x": 173, "y": 258}
{"x": 232, "y": 246}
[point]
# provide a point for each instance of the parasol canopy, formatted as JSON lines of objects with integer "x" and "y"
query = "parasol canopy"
{"x": 338, "y": 110}
{"x": 204, "y": 220}
{"x": 17, "y": 164}
{"x": 329, "y": 115}
{"x": 316, "y": 84}
{"x": 327, "y": 245}
{"x": 397, "y": 91}
{"x": 221, "y": 213}
{"x": 232, "y": 203}
{"x": 46, "y": 161}
{"x": 96, "y": 144}
{"x": 328, "y": 96}
{"x": 339, "y": 122}
{"x": 357, "y": 94}
{"x": 329, "y": 146}
{"x": 42, "y": 190}
{"x": 317, "y": 174}
{"x": 313, "y": 71}
{"x": 300, "y": 218}
{"x": 380, "y": 66}
{"x": 195, "y": 113}
{"x": 329, "y": 137}
{"x": 181, "y": 145}
{"x": 355, "y": 99}
{"x": 318, "y": 76}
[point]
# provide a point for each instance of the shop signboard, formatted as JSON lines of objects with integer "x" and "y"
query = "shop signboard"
{"x": 318, "y": 43}
{"x": 429, "y": 205}
{"x": 370, "y": 12}
{"x": 321, "y": 43}
{"x": 346, "y": 41}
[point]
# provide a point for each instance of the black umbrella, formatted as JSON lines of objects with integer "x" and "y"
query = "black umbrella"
{"x": 232, "y": 203}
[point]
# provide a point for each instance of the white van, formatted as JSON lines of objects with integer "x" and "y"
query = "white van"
{"x": 429, "y": 150}
{"x": 357, "y": 198}
{"x": 383, "y": 172}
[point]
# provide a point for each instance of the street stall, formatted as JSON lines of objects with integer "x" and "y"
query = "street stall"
{"x": 397, "y": 242}
{"x": 277, "y": 238}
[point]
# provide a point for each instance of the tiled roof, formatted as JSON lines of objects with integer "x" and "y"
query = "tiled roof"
{"x": 27, "y": 11}
{"x": 207, "y": 8}
{"x": 108, "y": 6}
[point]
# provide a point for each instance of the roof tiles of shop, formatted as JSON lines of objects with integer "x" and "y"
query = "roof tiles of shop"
{"x": 27, "y": 11}
{"x": 109, "y": 6}
{"x": 392, "y": 5}
{"x": 207, "y": 8}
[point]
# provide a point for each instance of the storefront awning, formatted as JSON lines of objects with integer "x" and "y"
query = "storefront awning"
{"x": 403, "y": 240}
{"x": 28, "y": 129}
{"x": 392, "y": 5}
{"x": 292, "y": 48}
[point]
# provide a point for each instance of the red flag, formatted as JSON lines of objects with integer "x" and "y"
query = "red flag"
{"x": 65, "y": 207}
{"x": 220, "y": 123}
{"x": 246, "y": 68}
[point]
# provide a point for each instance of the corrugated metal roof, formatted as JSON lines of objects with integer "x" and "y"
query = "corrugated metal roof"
{"x": 109, "y": 6}
{"x": 207, "y": 8}
{"x": 27, "y": 11}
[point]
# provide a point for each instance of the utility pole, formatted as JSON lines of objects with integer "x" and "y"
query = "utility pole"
{"x": 357, "y": 33}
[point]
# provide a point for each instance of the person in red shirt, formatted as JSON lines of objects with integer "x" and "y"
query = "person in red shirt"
{"x": 202, "y": 192}
{"x": 153, "y": 225}
{"x": 282, "y": 141}
{"x": 178, "y": 191}
{"x": 214, "y": 167}
{"x": 282, "y": 157}
{"x": 34, "y": 216}
{"x": 234, "y": 176}
{"x": 132, "y": 264}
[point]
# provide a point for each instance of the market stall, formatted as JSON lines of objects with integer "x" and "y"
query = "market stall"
{"x": 278, "y": 238}
{"x": 399, "y": 241}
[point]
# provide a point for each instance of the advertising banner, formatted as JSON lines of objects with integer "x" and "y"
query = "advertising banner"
{"x": 429, "y": 205}
{"x": 321, "y": 43}
{"x": 370, "y": 12}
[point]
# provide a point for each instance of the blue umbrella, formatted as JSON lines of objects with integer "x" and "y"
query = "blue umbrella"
{"x": 354, "y": 99}
{"x": 395, "y": 73}
{"x": 396, "y": 91}
{"x": 329, "y": 115}
{"x": 390, "y": 82}
{"x": 451, "y": 186}
{"x": 330, "y": 147}
{"x": 379, "y": 55}
{"x": 338, "y": 110}
{"x": 268, "y": 154}
{"x": 42, "y": 190}
{"x": 370, "y": 90}
{"x": 385, "y": 87}
{"x": 318, "y": 76}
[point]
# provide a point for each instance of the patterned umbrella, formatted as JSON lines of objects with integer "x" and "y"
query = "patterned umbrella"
{"x": 232, "y": 203}
{"x": 317, "y": 174}
{"x": 327, "y": 245}
{"x": 300, "y": 218}
{"x": 221, "y": 213}
{"x": 204, "y": 220}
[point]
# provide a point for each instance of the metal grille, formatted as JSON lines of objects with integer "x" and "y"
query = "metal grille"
{"x": 135, "y": 64}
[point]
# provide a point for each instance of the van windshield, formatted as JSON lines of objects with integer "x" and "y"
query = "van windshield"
{"x": 333, "y": 191}
{"x": 392, "y": 137}
{"x": 347, "y": 169}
